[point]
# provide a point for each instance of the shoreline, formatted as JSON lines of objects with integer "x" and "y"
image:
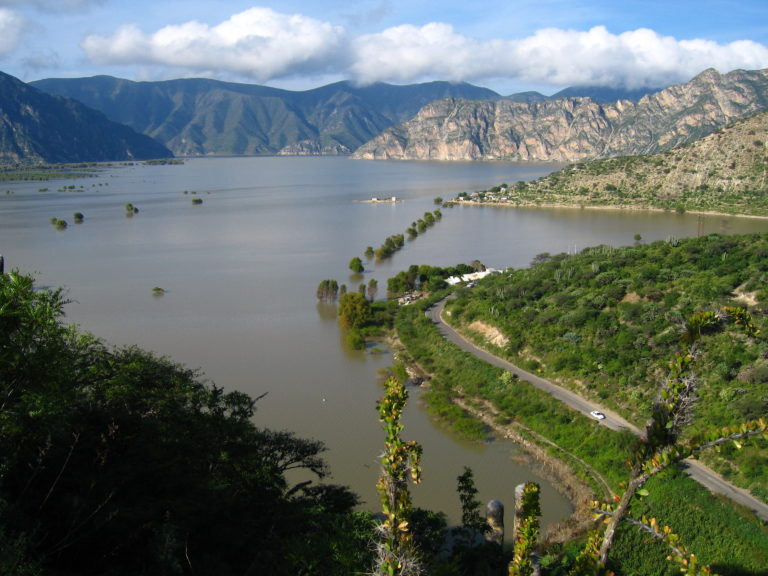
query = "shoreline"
{"x": 557, "y": 471}
{"x": 534, "y": 454}
{"x": 612, "y": 207}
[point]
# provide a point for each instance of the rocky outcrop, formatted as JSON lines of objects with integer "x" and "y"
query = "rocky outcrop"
{"x": 572, "y": 129}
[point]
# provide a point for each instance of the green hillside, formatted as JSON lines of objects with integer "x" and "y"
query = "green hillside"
{"x": 605, "y": 323}
{"x": 725, "y": 172}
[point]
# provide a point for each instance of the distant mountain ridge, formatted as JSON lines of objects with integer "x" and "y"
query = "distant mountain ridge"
{"x": 37, "y": 126}
{"x": 573, "y": 129}
{"x": 207, "y": 117}
{"x": 204, "y": 117}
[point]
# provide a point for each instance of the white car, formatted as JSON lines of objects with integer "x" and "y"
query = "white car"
{"x": 597, "y": 415}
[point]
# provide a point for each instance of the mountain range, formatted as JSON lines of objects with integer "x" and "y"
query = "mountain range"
{"x": 572, "y": 129}
{"x": 46, "y": 119}
{"x": 196, "y": 117}
{"x": 40, "y": 127}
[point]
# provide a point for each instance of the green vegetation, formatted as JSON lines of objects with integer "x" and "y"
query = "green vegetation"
{"x": 594, "y": 452}
{"x": 356, "y": 265}
{"x": 164, "y": 162}
{"x": 516, "y": 401}
{"x": 391, "y": 245}
{"x": 327, "y": 290}
{"x": 373, "y": 289}
{"x": 78, "y": 217}
{"x": 120, "y": 462}
{"x": 424, "y": 277}
{"x": 663, "y": 446}
{"x": 116, "y": 461}
{"x": 395, "y": 242}
{"x": 197, "y": 201}
{"x": 605, "y": 321}
{"x": 724, "y": 173}
{"x": 42, "y": 172}
{"x": 401, "y": 461}
{"x": 701, "y": 279}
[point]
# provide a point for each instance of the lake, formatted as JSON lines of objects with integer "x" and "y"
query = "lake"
{"x": 240, "y": 272}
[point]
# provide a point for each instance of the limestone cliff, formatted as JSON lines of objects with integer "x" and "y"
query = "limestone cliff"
{"x": 572, "y": 129}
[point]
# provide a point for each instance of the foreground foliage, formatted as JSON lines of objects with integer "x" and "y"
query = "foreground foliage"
{"x": 115, "y": 461}
{"x": 676, "y": 501}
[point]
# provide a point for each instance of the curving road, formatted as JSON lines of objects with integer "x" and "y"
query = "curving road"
{"x": 695, "y": 469}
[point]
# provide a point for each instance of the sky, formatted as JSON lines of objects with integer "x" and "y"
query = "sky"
{"x": 507, "y": 45}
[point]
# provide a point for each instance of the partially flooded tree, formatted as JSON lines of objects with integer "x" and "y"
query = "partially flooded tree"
{"x": 327, "y": 290}
{"x": 356, "y": 265}
{"x": 373, "y": 288}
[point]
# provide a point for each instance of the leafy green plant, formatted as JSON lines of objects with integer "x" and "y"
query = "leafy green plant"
{"x": 399, "y": 462}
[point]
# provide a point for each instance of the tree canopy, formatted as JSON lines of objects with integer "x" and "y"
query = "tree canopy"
{"x": 117, "y": 461}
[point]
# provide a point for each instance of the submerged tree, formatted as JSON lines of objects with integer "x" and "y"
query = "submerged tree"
{"x": 354, "y": 310}
{"x": 373, "y": 288}
{"x": 356, "y": 265}
{"x": 327, "y": 290}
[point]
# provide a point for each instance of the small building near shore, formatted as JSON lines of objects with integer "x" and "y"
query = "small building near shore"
{"x": 470, "y": 278}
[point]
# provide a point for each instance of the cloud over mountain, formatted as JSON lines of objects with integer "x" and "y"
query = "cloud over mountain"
{"x": 263, "y": 44}
{"x": 259, "y": 43}
{"x": 11, "y": 26}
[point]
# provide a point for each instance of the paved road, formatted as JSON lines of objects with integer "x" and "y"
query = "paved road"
{"x": 695, "y": 469}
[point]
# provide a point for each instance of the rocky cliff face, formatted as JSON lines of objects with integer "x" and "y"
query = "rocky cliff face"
{"x": 572, "y": 129}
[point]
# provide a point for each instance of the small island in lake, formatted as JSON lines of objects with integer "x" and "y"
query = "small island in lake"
{"x": 377, "y": 200}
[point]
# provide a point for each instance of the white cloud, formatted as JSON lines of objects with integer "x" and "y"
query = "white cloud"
{"x": 550, "y": 56}
{"x": 12, "y": 25}
{"x": 259, "y": 43}
{"x": 265, "y": 45}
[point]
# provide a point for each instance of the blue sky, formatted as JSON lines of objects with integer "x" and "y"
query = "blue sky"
{"x": 507, "y": 45}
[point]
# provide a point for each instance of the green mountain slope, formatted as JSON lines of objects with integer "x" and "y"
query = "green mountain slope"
{"x": 37, "y": 126}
